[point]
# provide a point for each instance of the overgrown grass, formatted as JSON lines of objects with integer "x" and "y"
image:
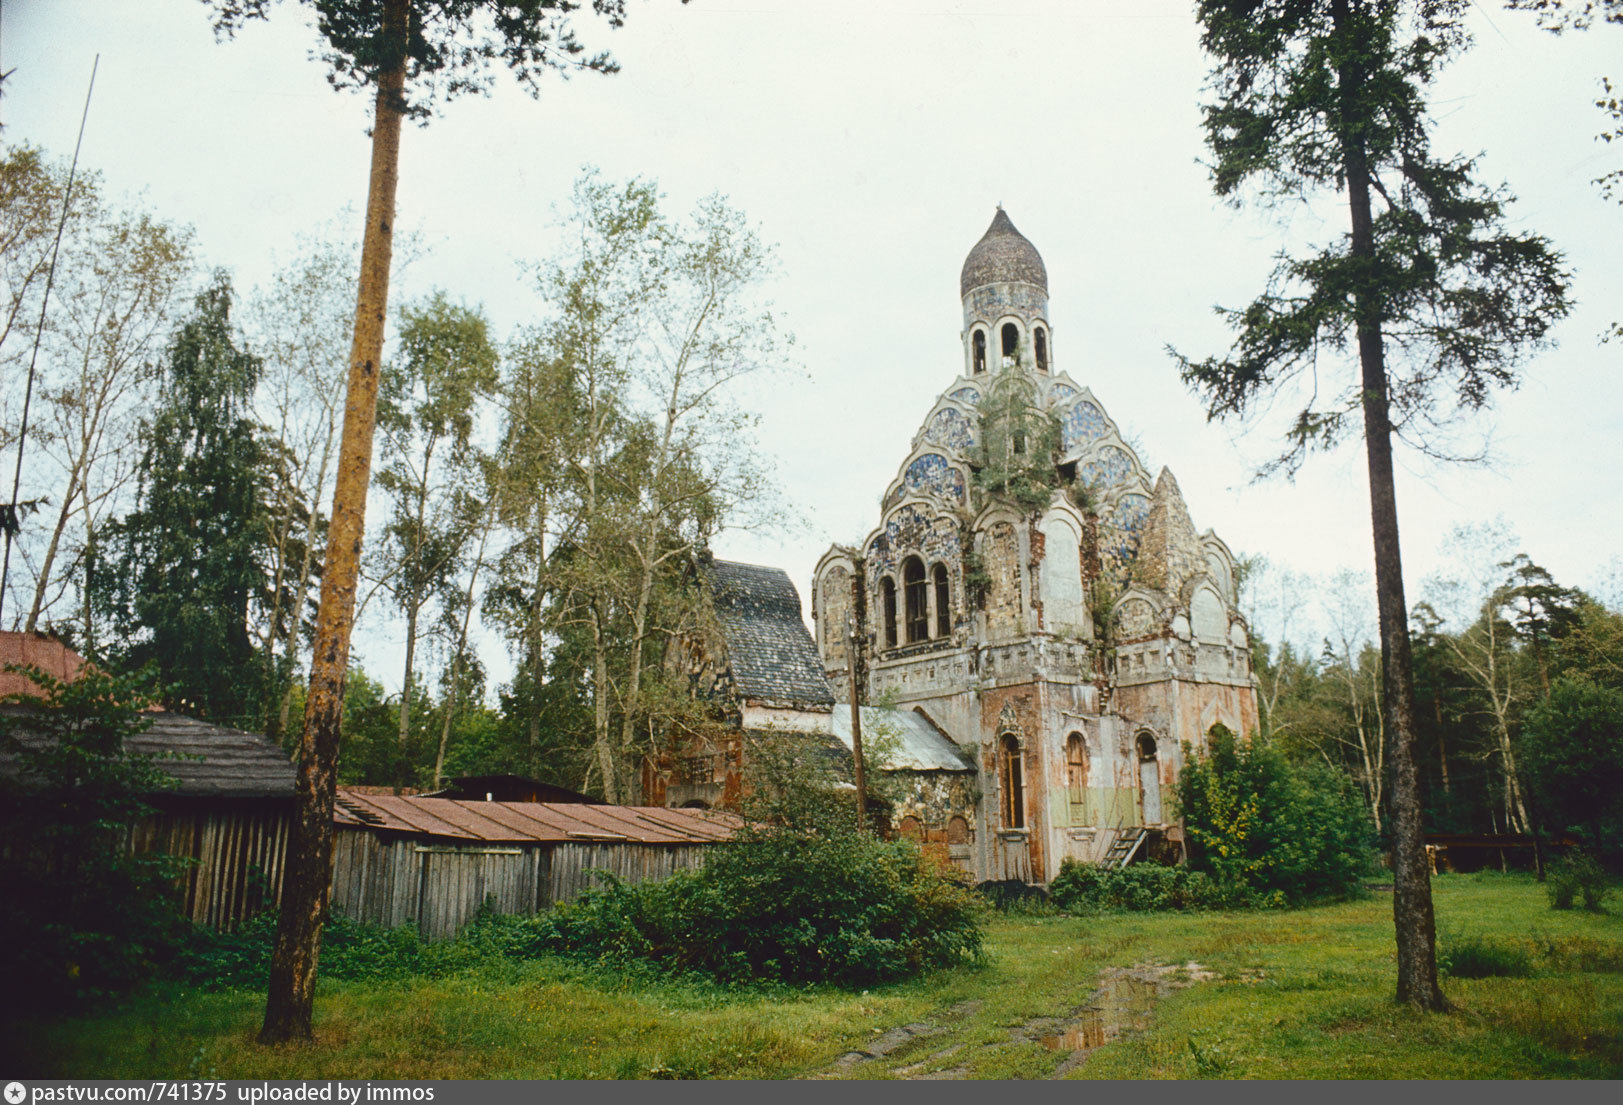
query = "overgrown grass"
{"x": 1296, "y": 994}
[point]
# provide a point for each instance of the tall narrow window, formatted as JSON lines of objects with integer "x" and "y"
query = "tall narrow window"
{"x": 1076, "y": 777}
{"x": 918, "y": 611}
{"x": 887, "y": 601}
{"x": 1014, "y": 787}
{"x": 1011, "y": 340}
{"x": 979, "y": 343}
{"x": 1040, "y": 344}
{"x": 1149, "y": 779}
{"x": 943, "y": 602}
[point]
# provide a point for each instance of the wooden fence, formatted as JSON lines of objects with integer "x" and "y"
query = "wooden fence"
{"x": 389, "y": 880}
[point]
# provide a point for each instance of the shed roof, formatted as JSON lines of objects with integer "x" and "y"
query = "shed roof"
{"x": 550, "y": 822}
{"x": 206, "y": 760}
{"x": 919, "y": 744}
{"x": 772, "y": 656}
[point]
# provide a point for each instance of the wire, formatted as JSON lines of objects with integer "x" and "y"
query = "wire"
{"x": 28, "y": 393}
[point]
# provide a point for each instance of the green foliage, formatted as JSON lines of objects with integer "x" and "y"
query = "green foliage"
{"x": 1571, "y": 750}
{"x": 452, "y": 43}
{"x": 187, "y": 568}
{"x": 81, "y": 918}
{"x": 799, "y": 895}
{"x": 1259, "y": 823}
{"x": 1140, "y": 887}
{"x": 1482, "y": 957}
{"x": 1573, "y": 877}
{"x": 1018, "y": 441}
{"x": 1326, "y": 96}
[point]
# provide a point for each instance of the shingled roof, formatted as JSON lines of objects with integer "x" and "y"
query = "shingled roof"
{"x": 772, "y": 657}
{"x": 206, "y": 760}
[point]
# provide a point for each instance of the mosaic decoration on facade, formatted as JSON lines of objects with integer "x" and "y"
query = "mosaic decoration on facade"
{"x": 1118, "y": 540}
{"x": 1081, "y": 423}
{"x": 1107, "y": 469}
{"x": 910, "y": 530}
{"x": 966, "y": 395}
{"x": 932, "y": 475}
{"x": 950, "y": 428}
{"x": 1059, "y": 393}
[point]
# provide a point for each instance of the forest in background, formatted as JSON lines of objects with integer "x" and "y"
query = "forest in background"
{"x": 548, "y": 489}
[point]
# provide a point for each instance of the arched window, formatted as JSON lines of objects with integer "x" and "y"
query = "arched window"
{"x": 910, "y": 828}
{"x": 1149, "y": 779}
{"x": 1011, "y": 340}
{"x": 1013, "y": 783}
{"x": 1040, "y": 344}
{"x": 887, "y": 601}
{"x": 979, "y": 343}
{"x": 943, "y": 602}
{"x": 918, "y": 598}
{"x": 1076, "y": 777}
{"x": 957, "y": 831}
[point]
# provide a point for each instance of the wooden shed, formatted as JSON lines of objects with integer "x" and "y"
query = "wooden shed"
{"x": 434, "y": 861}
{"x": 229, "y": 812}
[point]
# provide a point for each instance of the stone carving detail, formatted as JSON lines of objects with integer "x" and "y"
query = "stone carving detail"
{"x": 1135, "y": 618}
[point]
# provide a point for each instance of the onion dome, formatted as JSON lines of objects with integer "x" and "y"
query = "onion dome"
{"x": 1002, "y": 256}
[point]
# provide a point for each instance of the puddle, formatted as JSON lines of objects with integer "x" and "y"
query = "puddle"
{"x": 1123, "y": 1003}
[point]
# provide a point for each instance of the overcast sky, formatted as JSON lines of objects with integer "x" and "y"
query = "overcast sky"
{"x": 872, "y": 142}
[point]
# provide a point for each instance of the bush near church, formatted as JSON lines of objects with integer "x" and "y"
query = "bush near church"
{"x": 1255, "y": 822}
{"x": 800, "y": 895}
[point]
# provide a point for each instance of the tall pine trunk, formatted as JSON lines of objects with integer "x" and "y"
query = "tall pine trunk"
{"x": 306, "y": 883}
{"x": 1413, "y": 920}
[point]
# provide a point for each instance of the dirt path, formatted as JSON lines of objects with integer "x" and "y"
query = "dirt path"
{"x": 1121, "y": 1004}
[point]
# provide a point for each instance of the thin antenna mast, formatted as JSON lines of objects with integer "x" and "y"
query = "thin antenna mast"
{"x": 10, "y": 516}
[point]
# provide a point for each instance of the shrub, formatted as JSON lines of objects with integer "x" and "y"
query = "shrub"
{"x": 1140, "y": 887}
{"x": 1482, "y": 957}
{"x": 1259, "y": 824}
{"x": 1574, "y": 877}
{"x": 80, "y": 918}
{"x": 1013, "y": 896}
{"x": 847, "y": 909}
{"x": 800, "y": 895}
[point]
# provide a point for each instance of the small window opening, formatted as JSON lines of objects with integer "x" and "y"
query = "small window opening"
{"x": 887, "y": 600}
{"x": 1014, "y": 789}
{"x": 1041, "y": 345}
{"x": 943, "y": 603}
{"x": 1011, "y": 341}
{"x": 918, "y": 614}
{"x": 1019, "y": 442}
{"x": 980, "y": 351}
{"x": 1076, "y": 777}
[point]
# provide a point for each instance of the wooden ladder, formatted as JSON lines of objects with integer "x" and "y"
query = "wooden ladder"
{"x": 1126, "y": 844}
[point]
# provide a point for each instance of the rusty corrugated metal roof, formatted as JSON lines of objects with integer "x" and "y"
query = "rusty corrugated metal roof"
{"x": 553, "y": 822}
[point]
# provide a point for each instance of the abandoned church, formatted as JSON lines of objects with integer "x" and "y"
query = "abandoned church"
{"x": 1039, "y": 618}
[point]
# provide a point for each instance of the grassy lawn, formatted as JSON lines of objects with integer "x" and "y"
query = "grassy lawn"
{"x": 1303, "y": 994}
